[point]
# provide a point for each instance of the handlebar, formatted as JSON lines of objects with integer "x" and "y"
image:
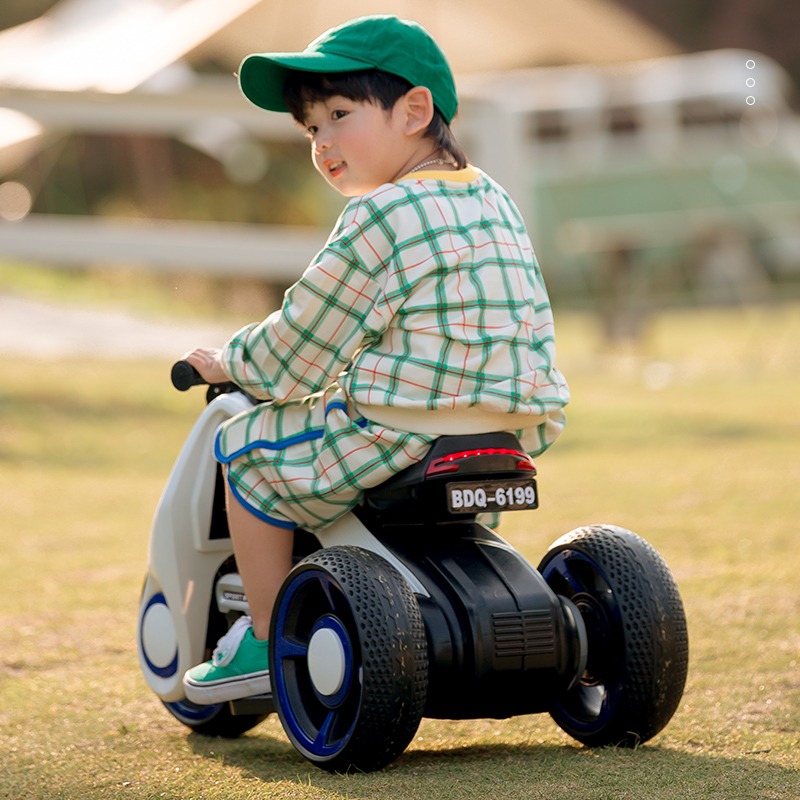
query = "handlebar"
{"x": 184, "y": 376}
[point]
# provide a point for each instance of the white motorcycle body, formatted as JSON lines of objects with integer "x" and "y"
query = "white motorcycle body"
{"x": 184, "y": 559}
{"x": 408, "y": 607}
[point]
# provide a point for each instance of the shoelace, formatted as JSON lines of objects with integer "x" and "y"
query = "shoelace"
{"x": 228, "y": 645}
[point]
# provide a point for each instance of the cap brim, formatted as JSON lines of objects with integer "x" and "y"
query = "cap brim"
{"x": 263, "y": 75}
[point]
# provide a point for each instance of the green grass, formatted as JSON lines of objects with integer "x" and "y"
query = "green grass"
{"x": 691, "y": 440}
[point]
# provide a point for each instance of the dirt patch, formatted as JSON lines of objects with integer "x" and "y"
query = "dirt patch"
{"x": 31, "y": 328}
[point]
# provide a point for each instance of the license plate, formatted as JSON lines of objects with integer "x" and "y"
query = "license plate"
{"x": 478, "y": 496}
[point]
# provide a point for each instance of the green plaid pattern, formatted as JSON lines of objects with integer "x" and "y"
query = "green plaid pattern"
{"x": 426, "y": 301}
{"x": 307, "y": 463}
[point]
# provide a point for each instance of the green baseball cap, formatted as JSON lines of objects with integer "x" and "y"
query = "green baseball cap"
{"x": 385, "y": 42}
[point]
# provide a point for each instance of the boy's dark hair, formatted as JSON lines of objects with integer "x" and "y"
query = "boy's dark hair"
{"x": 366, "y": 86}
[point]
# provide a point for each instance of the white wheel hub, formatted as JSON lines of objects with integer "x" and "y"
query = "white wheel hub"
{"x": 159, "y": 637}
{"x": 326, "y": 661}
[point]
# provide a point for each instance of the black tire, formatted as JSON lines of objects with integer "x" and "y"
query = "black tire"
{"x": 638, "y": 647}
{"x": 214, "y": 720}
{"x": 360, "y": 706}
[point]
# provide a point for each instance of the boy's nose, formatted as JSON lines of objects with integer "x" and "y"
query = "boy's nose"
{"x": 321, "y": 144}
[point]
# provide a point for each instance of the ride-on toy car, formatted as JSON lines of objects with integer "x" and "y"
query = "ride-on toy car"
{"x": 409, "y": 607}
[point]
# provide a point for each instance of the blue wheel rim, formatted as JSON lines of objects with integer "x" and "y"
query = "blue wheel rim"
{"x": 319, "y": 726}
{"x": 591, "y": 704}
{"x": 192, "y": 714}
{"x": 170, "y": 669}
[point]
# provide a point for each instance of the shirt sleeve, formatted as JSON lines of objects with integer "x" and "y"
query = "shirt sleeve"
{"x": 303, "y": 347}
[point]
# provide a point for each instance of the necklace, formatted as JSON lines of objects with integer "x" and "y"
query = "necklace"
{"x": 432, "y": 161}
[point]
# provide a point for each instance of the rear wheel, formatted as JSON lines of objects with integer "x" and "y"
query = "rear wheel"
{"x": 636, "y": 630}
{"x": 348, "y": 660}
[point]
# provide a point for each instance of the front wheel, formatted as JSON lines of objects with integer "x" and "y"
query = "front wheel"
{"x": 348, "y": 660}
{"x": 636, "y": 629}
{"x": 213, "y": 720}
{"x": 157, "y": 643}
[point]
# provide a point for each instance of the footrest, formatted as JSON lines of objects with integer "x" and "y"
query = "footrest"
{"x": 256, "y": 704}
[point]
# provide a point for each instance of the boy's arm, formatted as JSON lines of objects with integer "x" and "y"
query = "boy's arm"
{"x": 302, "y": 348}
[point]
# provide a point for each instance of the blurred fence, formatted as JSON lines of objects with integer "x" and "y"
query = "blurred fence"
{"x": 638, "y": 181}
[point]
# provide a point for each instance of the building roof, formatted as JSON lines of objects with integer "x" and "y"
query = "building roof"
{"x": 116, "y": 46}
{"x": 476, "y": 36}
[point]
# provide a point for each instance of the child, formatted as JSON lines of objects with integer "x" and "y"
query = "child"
{"x": 424, "y": 314}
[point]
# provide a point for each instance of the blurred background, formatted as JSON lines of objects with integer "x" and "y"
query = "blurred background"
{"x": 654, "y": 149}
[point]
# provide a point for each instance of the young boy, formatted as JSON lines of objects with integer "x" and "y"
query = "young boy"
{"x": 424, "y": 314}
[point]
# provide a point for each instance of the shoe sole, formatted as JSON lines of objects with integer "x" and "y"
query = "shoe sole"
{"x": 205, "y": 694}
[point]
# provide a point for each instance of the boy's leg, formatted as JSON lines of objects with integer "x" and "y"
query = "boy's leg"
{"x": 240, "y": 666}
{"x": 263, "y": 557}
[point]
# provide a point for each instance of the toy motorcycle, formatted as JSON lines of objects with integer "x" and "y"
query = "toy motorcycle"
{"x": 409, "y": 607}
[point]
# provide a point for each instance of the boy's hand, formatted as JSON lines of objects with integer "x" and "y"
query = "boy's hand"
{"x": 207, "y": 362}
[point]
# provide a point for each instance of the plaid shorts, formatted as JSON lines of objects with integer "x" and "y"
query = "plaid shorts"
{"x": 307, "y": 463}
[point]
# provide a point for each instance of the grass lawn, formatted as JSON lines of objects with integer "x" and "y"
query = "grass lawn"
{"x": 692, "y": 441}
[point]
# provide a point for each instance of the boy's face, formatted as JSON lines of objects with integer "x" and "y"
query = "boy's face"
{"x": 357, "y": 146}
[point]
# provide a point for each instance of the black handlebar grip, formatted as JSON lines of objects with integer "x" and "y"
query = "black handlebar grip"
{"x": 184, "y": 376}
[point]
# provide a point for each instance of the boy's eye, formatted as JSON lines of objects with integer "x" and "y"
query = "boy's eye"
{"x": 311, "y": 130}
{"x": 338, "y": 113}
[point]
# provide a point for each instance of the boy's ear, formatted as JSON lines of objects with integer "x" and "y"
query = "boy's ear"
{"x": 418, "y": 109}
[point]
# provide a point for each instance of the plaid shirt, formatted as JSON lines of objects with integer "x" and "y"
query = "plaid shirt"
{"x": 424, "y": 314}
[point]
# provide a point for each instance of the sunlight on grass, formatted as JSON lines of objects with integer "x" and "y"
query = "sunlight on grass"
{"x": 690, "y": 439}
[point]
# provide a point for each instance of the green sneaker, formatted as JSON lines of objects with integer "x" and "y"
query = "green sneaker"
{"x": 238, "y": 668}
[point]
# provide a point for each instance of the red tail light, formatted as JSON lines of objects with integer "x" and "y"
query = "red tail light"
{"x": 452, "y": 462}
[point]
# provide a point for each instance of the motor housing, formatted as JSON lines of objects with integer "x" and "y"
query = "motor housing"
{"x": 500, "y": 642}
